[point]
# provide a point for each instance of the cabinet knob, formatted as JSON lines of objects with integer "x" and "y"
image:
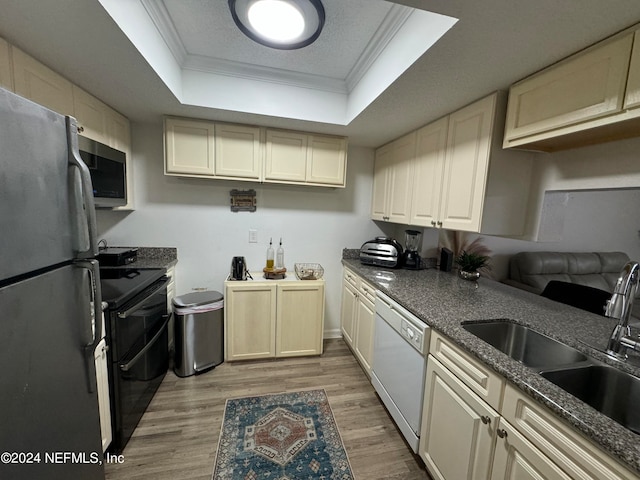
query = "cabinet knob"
{"x": 80, "y": 129}
{"x": 433, "y": 223}
{"x": 501, "y": 433}
{"x": 439, "y": 224}
{"x": 485, "y": 419}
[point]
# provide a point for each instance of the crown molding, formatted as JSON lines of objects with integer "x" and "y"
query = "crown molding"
{"x": 392, "y": 23}
{"x": 162, "y": 20}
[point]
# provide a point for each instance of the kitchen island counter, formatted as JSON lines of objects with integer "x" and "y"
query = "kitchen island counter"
{"x": 443, "y": 301}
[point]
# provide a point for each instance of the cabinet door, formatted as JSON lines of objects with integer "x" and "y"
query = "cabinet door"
{"x": 365, "y": 324}
{"x": 517, "y": 458}
{"x": 428, "y": 168}
{"x": 585, "y": 86}
{"x": 401, "y": 179}
{"x": 632, "y": 96}
{"x": 467, "y": 165}
{"x": 91, "y": 114}
{"x": 300, "y": 318}
{"x": 348, "y": 312}
{"x": 250, "y": 321}
{"x": 40, "y": 84}
{"x": 381, "y": 174}
{"x": 286, "y": 156}
{"x": 326, "y": 160}
{"x": 458, "y": 429}
{"x": 189, "y": 147}
{"x": 104, "y": 405}
{"x": 6, "y": 71}
{"x": 237, "y": 152}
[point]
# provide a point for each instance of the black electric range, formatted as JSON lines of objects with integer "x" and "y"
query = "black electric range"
{"x": 121, "y": 284}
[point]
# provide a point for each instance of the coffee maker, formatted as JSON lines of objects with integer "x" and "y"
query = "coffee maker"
{"x": 410, "y": 257}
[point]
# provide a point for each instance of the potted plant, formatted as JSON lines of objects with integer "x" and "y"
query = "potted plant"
{"x": 469, "y": 264}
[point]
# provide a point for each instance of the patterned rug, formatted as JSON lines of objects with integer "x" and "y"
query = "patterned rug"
{"x": 288, "y": 436}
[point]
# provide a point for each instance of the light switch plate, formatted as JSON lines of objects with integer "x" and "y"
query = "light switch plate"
{"x": 253, "y": 236}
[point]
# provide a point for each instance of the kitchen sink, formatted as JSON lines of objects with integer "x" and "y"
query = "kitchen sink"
{"x": 525, "y": 345}
{"x": 612, "y": 392}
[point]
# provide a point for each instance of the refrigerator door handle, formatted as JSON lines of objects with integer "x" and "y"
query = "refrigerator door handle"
{"x": 93, "y": 328}
{"x": 85, "y": 212}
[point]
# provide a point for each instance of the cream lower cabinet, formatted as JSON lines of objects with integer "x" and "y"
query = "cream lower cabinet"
{"x": 477, "y": 426}
{"x": 451, "y": 407}
{"x": 104, "y": 404}
{"x": 358, "y": 318}
{"x": 273, "y": 318}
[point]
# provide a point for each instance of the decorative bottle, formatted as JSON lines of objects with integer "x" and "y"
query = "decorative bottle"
{"x": 280, "y": 256}
{"x": 270, "y": 255}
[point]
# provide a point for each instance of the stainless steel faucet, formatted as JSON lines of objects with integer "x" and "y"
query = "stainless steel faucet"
{"x": 619, "y": 307}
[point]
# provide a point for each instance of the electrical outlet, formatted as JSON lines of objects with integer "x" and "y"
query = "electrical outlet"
{"x": 253, "y": 236}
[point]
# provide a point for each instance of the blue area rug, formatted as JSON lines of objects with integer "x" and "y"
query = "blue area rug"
{"x": 288, "y": 436}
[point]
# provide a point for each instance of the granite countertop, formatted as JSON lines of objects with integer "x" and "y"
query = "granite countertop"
{"x": 154, "y": 257}
{"x": 443, "y": 301}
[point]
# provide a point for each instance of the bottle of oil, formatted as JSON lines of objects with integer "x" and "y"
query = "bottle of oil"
{"x": 280, "y": 256}
{"x": 270, "y": 255}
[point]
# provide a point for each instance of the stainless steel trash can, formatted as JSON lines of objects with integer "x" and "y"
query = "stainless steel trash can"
{"x": 199, "y": 332}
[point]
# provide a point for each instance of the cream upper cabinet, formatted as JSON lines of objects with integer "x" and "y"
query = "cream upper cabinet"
{"x": 300, "y": 318}
{"x": 431, "y": 142}
{"x": 91, "y": 115}
{"x": 295, "y": 157}
{"x": 578, "y": 101}
{"x": 6, "y": 70}
{"x": 454, "y": 174}
{"x": 327, "y": 160}
{"x": 189, "y": 147}
{"x": 35, "y": 81}
{"x": 466, "y": 166}
{"x": 286, "y": 156}
{"x": 632, "y": 97}
{"x": 237, "y": 152}
{"x": 393, "y": 180}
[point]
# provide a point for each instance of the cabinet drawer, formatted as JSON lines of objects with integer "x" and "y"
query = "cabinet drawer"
{"x": 368, "y": 292}
{"x": 566, "y": 447}
{"x": 352, "y": 279}
{"x": 478, "y": 377}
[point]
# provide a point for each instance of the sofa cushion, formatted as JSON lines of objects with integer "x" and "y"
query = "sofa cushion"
{"x": 594, "y": 269}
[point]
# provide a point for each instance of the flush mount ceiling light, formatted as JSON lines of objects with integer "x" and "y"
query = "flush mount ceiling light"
{"x": 282, "y": 24}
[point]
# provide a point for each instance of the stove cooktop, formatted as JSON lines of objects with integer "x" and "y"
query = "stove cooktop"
{"x": 121, "y": 284}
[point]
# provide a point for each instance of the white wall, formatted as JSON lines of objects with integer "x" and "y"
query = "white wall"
{"x": 194, "y": 216}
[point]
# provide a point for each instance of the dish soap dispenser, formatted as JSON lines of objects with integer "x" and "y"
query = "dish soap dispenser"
{"x": 280, "y": 257}
{"x": 270, "y": 255}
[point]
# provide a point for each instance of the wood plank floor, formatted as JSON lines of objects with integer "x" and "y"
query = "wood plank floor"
{"x": 178, "y": 435}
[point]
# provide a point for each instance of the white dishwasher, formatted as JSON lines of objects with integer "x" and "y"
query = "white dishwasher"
{"x": 400, "y": 348}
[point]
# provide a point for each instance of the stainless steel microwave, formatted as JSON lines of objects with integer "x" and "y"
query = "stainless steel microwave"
{"x": 108, "y": 172}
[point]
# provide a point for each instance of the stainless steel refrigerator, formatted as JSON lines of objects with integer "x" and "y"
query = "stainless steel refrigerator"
{"x": 49, "y": 299}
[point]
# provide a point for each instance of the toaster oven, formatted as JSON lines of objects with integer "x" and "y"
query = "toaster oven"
{"x": 382, "y": 252}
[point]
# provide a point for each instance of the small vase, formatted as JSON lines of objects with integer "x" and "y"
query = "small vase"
{"x": 471, "y": 276}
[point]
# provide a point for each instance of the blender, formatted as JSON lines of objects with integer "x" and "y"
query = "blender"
{"x": 410, "y": 256}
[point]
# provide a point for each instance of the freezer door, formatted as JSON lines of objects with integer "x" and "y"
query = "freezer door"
{"x": 48, "y": 399}
{"x": 44, "y": 208}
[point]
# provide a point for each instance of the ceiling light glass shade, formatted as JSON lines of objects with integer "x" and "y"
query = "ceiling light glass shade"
{"x": 282, "y": 24}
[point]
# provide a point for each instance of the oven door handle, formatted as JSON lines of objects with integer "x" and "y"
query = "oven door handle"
{"x": 129, "y": 311}
{"x": 125, "y": 367}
